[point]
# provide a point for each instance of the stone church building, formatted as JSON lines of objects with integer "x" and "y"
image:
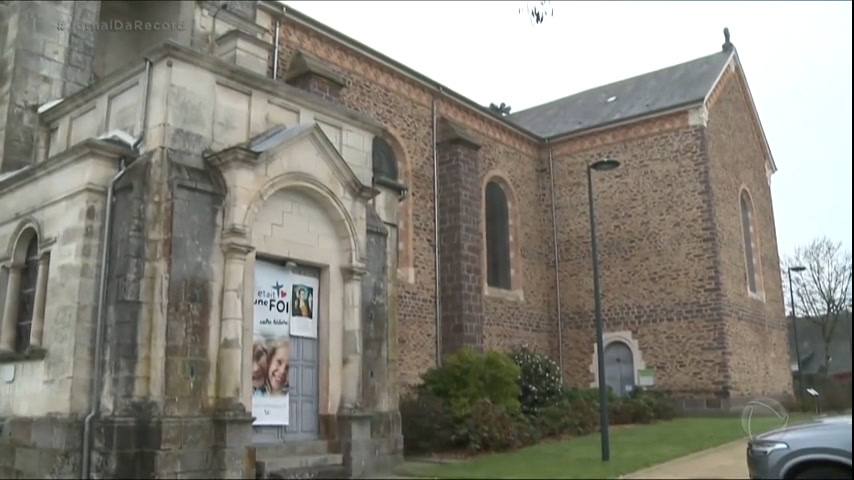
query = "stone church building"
{"x": 155, "y": 157}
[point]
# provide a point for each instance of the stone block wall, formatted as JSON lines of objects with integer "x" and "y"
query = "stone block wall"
{"x": 756, "y": 325}
{"x": 42, "y": 447}
{"x": 43, "y": 59}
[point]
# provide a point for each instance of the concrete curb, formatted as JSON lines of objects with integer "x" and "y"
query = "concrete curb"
{"x": 643, "y": 473}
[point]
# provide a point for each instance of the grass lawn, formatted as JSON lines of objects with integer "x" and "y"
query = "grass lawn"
{"x": 632, "y": 448}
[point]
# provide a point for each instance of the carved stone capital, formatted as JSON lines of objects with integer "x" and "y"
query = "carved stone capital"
{"x": 235, "y": 242}
{"x": 353, "y": 272}
{"x": 238, "y": 249}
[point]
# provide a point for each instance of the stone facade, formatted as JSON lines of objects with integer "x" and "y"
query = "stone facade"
{"x": 224, "y": 158}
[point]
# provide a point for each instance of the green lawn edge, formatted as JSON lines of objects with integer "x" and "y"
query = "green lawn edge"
{"x": 633, "y": 448}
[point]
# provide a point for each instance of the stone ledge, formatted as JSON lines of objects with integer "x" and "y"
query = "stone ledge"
{"x": 504, "y": 294}
{"x": 30, "y": 354}
{"x": 304, "y": 64}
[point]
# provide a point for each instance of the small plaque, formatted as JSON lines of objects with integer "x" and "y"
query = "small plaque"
{"x": 646, "y": 377}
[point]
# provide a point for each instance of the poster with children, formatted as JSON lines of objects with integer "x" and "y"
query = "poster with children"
{"x": 271, "y": 345}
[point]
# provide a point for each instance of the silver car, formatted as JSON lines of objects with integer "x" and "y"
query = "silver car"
{"x": 820, "y": 449}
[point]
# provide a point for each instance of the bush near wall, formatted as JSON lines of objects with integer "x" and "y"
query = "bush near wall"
{"x": 495, "y": 401}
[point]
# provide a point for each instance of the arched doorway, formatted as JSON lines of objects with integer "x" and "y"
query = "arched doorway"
{"x": 619, "y": 368}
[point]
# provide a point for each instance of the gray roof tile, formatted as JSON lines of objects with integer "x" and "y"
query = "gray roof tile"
{"x": 657, "y": 91}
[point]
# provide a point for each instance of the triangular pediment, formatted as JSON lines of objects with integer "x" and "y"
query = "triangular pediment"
{"x": 271, "y": 145}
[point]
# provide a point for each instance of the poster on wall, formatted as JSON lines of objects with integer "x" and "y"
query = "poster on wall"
{"x": 303, "y": 306}
{"x": 271, "y": 345}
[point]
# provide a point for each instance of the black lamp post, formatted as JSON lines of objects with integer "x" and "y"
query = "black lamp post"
{"x": 801, "y": 386}
{"x": 601, "y": 166}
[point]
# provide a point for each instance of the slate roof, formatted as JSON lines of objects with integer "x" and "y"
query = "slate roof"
{"x": 661, "y": 90}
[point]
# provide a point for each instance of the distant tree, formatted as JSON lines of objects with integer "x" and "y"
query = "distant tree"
{"x": 823, "y": 290}
{"x": 538, "y": 11}
{"x": 500, "y": 110}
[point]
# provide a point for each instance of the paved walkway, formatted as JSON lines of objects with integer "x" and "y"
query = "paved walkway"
{"x": 724, "y": 462}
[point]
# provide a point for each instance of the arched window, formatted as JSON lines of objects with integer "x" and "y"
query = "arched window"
{"x": 497, "y": 237}
{"x": 384, "y": 160}
{"x": 26, "y": 299}
{"x": 749, "y": 240}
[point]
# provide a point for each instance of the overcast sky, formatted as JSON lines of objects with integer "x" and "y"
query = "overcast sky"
{"x": 796, "y": 55}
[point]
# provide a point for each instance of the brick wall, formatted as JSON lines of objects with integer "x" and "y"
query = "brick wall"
{"x": 656, "y": 251}
{"x": 756, "y": 328}
{"x": 460, "y": 270}
{"x": 406, "y": 109}
{"x": 665, "y": 242}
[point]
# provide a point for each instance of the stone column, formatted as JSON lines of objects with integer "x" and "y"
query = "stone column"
{"x": 230, "y": 355}
{"x": 351, "y": 371}
{"x": 10, "y": 310}
{"x": 38, "y": 307}
{"x": 460, "y": 239}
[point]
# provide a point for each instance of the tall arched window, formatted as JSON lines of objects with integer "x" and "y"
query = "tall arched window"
{"x": 26, "y": 300}
{"x": 497, "y": 237}
{"x": 749, "y": 240}
{"x": 384, "y": 159}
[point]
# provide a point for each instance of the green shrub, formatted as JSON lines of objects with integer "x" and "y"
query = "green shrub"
{"x": 661, "y": 403}
{"x": 539, "y": 380}
{"x": 492, "y": 428}
{"x": 427, "y": 424}
{"x": 581, "y": 410}
{"x": 589, "y": 395}
{"x": 467, "y": 377}
{"x": 553, "y": 420}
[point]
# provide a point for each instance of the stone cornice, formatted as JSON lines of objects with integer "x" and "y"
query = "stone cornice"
{"x": 91, "y": 147}
{"x": 173, "y": 50}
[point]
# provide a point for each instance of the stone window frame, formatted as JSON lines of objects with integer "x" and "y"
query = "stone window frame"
{"x": 27, "y": 233}
{"x": 516, "y": 291}
{"x": 405, "y": 256}
{"x": 751, "y": 253}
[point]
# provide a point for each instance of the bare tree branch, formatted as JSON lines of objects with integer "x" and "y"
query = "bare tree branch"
{"x": 823, "y": 291}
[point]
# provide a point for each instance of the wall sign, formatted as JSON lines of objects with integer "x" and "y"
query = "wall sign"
{"x": 646, "y": 377}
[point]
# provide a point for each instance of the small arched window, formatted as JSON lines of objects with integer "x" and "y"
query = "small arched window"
{"x": 749, "y": 241}
{"x": 497, "y": 237}
{"x": 384, "y": 160}
{"x": 26, "y": 299}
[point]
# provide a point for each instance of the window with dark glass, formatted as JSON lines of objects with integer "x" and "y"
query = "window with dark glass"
{"x": 26, "y": 299}
{"x": 497, "y": 237}
{"x": 384, "y": 160}
{"x": 749, "y": 245}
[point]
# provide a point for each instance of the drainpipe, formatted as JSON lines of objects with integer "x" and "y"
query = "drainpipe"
{"x": 557, "y": 264}
{"x": 94, "y": 394}
{"x": 438, "y": 306}
{"x": 276, "y": 54}
{"x": 212, "y": 36}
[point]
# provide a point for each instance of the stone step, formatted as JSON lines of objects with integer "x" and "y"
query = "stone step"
{"x": 332, "y": 472}
{"x": 291, "y": 449}
{"x": 302, "y": 462}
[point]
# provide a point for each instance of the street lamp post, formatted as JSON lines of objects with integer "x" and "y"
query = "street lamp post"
{"x": 601, "y": 165}
{"x": 796, "y": 269}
